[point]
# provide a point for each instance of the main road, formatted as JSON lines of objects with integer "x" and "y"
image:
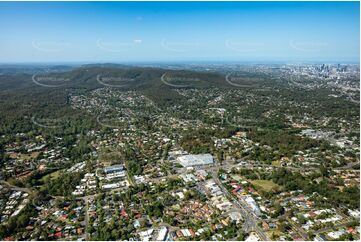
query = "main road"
{"x": 250, "y": 219}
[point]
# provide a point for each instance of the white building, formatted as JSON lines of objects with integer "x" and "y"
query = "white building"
{"x": 114, "y": 175}
{"x": 195, "y": 160}
{"x": 162, "y": 235}
{"x": 236, "y": 217}
{"x": 113, "y": 169}
{"x": 146, "y": 235}
{"x": 111, "y": 186}
{"x": 253, "y": 237}
{"x": 253, "y": 205}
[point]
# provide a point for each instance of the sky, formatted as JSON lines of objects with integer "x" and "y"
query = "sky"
{"x": 122, "y": 32}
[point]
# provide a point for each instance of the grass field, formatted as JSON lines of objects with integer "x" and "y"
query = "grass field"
{"x": 237, "y": 177}
{"x": 52, "y": 175}
{"x": 24, "y": 156}
{"x": 265, "y": 185}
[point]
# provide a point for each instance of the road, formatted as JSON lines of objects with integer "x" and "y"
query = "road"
{"x": 331, "y": 228}
{"x": 86, "y": 218}
{"x": 250, "y": 219}
{"x": 15, "y": 188}
{"x": 349, "y": 166}
{"x": 299, "y": 230}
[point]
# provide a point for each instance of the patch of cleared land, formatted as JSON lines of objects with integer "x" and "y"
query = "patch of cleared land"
{"x": 265, "y": 185}
{"x": 30, "y": 156}
{"x": 276, "y": 163}
{"x": 51, "y": 176}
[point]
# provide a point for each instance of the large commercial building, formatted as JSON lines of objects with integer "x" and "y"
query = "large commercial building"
{"x": 113, "y": 169}
{"x": 195, "y": 160}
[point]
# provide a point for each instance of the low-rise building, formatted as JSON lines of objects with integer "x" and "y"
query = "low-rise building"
{"x": 195, "y": 160}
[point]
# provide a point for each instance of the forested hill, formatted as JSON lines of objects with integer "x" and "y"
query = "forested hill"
{"x": 95, "y": 76}
{"x": 23, "y": 95}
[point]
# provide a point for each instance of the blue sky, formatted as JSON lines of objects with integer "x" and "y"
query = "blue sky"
{"x": 179, "y": 31}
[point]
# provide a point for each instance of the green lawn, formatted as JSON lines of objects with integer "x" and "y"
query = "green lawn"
{"x": 264, "y": 185}
{"x": 52, "y": 175}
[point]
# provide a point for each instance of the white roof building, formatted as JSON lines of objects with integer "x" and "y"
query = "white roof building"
{"x": 114, "y": 168}
{"x": 162, "y": 234}
{"x": 253, "y": 237}
{"x": 195, "y": 160}
{"x": 252, "y": 203}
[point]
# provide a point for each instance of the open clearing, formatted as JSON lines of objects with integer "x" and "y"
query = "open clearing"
{"x": 51, "y": 176}
{"x": 265, "y": 185}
